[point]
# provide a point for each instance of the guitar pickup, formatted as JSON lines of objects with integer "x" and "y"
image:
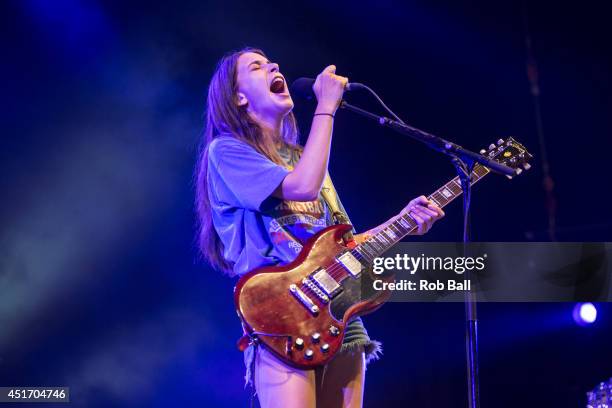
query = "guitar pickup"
{"x": 325, "y": 281}
{"x": 350, "y": 263}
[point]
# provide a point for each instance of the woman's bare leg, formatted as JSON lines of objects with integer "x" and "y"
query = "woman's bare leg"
{"x": 343, "y": 383}
{"x": 280, "y": 385}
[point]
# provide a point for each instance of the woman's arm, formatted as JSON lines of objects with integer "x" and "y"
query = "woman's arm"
{"x": 306, "y": 179}
{"x": 422, "y": 210}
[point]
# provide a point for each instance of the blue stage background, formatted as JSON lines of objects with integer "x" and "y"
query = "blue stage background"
{"x": 101, "y": 288}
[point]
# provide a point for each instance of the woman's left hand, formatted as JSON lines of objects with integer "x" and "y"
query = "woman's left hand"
{"x": 424, "y": 212}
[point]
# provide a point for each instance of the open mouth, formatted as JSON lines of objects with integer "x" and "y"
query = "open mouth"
{"x": 278, "y": 85}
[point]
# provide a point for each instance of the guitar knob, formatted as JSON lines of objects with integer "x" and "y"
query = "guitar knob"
{"x": 308, "y": 354}
{"x": 500, "y": 142}
{"x": 299, "y": 343}
{"x": 325, "y": 348}
{"x": 492, "y": 146}
{"x": 334, "y": 331}
{"x": 316, "y": 337}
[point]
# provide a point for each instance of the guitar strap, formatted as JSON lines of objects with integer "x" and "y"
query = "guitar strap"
{"x": 330, "y": 196}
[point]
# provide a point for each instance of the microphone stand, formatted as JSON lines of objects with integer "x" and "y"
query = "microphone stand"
{"x": 464, "y": 161}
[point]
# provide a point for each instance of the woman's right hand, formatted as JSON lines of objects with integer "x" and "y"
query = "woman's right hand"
{"x": 329, "y": 88}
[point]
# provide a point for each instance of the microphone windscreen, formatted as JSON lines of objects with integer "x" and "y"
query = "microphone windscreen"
{"x": 301, "y": 88}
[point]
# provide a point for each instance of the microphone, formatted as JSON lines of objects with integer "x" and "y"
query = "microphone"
{"x": 302, "y": 88}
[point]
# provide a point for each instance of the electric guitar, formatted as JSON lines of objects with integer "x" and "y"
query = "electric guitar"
{"x": 299, "y": 311}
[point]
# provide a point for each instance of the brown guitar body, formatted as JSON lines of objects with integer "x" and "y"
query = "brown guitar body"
{"x": 271, "y": 312}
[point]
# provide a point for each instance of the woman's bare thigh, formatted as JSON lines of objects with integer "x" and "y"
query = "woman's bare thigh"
{"x": 280, "y": 385}
{"x": 342, "y": 385}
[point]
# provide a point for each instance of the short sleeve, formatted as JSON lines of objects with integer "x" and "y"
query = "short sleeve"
{"x": 247, "y": 176}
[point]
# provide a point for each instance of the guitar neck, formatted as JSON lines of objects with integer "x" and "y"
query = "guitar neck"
{"x": 384, "y": 239}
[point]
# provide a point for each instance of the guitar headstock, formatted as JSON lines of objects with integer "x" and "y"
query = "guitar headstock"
{"x": 511, "y": 153}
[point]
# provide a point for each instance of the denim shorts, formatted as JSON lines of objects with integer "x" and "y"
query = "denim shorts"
{"x": 355, "y": 336}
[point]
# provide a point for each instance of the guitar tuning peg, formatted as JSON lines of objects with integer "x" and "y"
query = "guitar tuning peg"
{"x": 500, "y": 142}
{"x": 526, "y": 166}
{"x": 519, "y": 171}
{"x": 492, "y": 146}
{"x": 509, "y": 177}
{"x": 482, "y": 151}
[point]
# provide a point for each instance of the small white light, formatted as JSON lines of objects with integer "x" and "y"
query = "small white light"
{"x": 585, "y": 313}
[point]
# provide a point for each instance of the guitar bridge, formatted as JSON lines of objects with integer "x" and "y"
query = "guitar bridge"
{"x": 315, "y": 289}
{"x": 304, "y": 299}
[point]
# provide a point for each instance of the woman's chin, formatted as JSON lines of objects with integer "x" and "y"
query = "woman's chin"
{"x": 285, "y": 106}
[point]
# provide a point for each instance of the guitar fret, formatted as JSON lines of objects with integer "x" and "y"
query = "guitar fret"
{"x": 359, "y": 249}
{"x": 397, "y": 228}
{"x": 370, "y": 248}
{"x": 404, "y": 223}
{"x": 374, "y": 243}
{"x": 481, "y": 170}
{"x": 440, "y": 199}
{"x": 362, "y": 249}
{"x": 390, "y": 233}
{"x": 454, "y": 187}
{"x": 446, "y": 192}
{"x": 380, "y": 238}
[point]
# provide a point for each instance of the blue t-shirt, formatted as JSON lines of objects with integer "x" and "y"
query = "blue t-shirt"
{"x": 256, "y": 228}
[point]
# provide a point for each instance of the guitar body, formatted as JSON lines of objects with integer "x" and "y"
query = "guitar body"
{"x": 274, "y": 314}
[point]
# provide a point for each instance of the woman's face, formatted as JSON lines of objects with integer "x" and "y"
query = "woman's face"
{"x": 261, "y": 87}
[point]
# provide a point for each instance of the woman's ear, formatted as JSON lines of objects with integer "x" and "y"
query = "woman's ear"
{"x": 241, "y": 99}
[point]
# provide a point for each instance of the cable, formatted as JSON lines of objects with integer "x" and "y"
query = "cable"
{"x": 358, "y": 85}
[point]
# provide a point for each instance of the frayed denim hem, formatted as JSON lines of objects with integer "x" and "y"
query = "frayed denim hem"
{"x": 372, "y": 348}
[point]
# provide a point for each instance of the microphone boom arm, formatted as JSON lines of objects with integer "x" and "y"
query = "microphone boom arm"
{"x": 434, "y": 142}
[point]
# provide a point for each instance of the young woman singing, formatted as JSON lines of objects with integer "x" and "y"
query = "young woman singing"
{"x": 259, "y": 198}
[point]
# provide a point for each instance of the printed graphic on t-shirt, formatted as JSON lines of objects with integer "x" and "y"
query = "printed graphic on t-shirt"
{"x": 296, "y": 221}
{"x": 293, "y": 229}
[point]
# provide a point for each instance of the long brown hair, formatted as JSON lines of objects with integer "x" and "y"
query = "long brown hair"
{"x": 224, "y": 116}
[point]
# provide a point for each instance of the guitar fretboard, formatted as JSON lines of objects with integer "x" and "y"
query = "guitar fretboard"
{"x": 380, "y": 242}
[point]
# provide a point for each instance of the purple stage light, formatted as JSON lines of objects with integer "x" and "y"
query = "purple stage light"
{"x": 585, "y": 313}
